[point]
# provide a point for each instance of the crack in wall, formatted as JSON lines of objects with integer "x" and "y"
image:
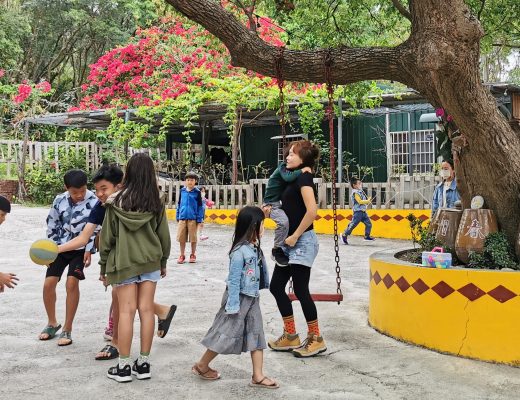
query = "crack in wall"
{"x": 467, "y": 322}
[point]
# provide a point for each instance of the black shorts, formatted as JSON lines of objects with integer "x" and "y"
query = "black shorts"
{"x": 74, "y": 259}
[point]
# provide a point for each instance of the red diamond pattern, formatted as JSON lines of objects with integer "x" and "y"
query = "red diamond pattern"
{"x": 388, "y": 281}
{"x": 222, "y": 217}
{"x": 471, "y": 292}
{"x": 443, "y": 289}
{"x": 501, "y": 294}
{"x": 374, "y": 217}
{"x": 349, "y": 217}
{"x": 340, "y": 218}
{"x": 402, "y": 284}
{"x": 318, "y": 217}
{"x": 398, "y": 217}
{"x": 328, "y": 217}
{"x": 423, "y": 217}
{"x": 386, "y": 218}
{"x": 232, "y": 216}
{"x": 213, "y": 216}
{"x": 419, "y": 286}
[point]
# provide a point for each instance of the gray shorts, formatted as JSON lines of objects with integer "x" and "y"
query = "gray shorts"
{"x": 304, "y": 251}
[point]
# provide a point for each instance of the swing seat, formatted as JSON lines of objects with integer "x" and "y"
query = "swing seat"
{"x": 332, "y": 297}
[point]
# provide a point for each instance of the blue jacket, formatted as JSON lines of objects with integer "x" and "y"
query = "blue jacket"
{"x": 190, "y": 205}
{"x": 244, "y": 275}
{"x": 357, "y": 206}
{"x": 451, "y": 196}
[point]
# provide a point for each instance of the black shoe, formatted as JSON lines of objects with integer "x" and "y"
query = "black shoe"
{"x": 120, "y": 374}
{"x": 279, "y": 257}
{"x": 141, "y": 371}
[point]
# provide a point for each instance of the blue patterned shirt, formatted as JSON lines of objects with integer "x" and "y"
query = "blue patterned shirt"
{"x": 66, "y": 220}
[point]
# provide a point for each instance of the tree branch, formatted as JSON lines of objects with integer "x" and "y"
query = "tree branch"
{"x": 402, "y": 9}
{"x": 249, "y": 51}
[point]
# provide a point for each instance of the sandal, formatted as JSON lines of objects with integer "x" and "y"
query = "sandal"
{"x": 50, "y": 331}
{"x": 110, "y": 350}
{"x": 181, "y": 259}
{"x": 263, "y": 385}
{"x": 65, "y": 335}
{"x": 209, "y": 375}
{"x": 163, "y": 325}
{"x": 193, "y": 258}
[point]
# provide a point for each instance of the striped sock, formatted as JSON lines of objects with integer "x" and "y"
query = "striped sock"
{"x": 313, "y": 327}
{"x": 288, "y": 325}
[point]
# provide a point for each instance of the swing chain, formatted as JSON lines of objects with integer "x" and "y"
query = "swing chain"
{"x": 281, "y": 84}
{"x": 330, "y": 116}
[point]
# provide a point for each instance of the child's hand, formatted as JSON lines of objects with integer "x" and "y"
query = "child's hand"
{"x": 291, "y": 240}
{"x": 87, "y": 259}
{"x": 7, "y": 279}
{"x": 163, "y": 272}
{"x": 267, "y": 211}
{"x": 103, "y": 278}
{"x": 306, "y": 169}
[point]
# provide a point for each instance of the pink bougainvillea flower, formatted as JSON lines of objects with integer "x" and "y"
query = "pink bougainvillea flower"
{"x": 44, "y": 86}
{"x": 2, "y": 72}
{"x": 24, "y": 91}
{"x": 439, "y": 112}
{"x": 449, "y": 118}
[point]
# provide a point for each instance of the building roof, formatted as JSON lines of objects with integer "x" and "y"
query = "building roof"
{"x": 214, "y": 113}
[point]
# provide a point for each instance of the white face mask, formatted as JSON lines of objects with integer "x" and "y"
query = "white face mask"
{"x": 444, "y": 174}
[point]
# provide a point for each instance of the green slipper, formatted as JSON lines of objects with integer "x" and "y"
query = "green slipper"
{"x": 65, "y": 335}
{"x": 51, "y": 331}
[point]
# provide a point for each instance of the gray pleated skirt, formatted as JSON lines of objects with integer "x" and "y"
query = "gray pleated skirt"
{"x": 237, "y": 333}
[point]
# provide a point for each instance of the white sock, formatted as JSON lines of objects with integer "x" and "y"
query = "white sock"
{"x": 124, "y": 362}
{"x": 143, "y": 359}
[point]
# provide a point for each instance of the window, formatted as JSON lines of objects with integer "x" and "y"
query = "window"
{"x": 417, "y": 152}
{"x": 288, "y": 139}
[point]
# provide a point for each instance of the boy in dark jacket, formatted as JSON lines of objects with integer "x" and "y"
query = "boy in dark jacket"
{"x": 190, "y": 213}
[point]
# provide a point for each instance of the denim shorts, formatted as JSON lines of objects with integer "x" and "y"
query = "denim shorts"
{"x": 154, "y": 276}
{"x": 304, "y": 251}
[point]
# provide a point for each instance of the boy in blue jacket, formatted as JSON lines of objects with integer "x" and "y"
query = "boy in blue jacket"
{"x": 190, "y": 213}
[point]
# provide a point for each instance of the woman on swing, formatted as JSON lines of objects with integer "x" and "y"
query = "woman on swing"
{"x": 299, "y": 204}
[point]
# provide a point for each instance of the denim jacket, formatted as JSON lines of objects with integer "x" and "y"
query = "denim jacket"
{"x": 244, "y": 275}
{"x": 452, "y": 195}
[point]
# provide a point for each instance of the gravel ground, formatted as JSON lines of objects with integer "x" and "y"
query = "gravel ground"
{"x": 360, "y": 363}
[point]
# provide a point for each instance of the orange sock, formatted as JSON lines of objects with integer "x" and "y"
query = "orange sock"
{"x": 288, "y": 325}
{"x": 313, "y": 327}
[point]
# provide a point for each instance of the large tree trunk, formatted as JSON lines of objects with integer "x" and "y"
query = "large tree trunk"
{"x": 440, "y": 60}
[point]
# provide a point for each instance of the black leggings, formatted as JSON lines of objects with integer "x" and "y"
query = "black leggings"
{"x": 300, "y": 275}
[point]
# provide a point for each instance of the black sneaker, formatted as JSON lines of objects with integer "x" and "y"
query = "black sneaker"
{"x": 141, "y": 371}
{"x": 120, "y": 374}
{"x": 278, "y": 256}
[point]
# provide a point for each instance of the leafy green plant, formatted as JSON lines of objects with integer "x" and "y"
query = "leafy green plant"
{"x": 497, "y": 254}
{"x": 420, "y": 235}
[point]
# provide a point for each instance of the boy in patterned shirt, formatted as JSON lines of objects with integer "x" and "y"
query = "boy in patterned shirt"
{"x": 67, "y": 217}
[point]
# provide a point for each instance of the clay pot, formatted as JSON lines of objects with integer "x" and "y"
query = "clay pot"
{"x": 474, "y": 227}
{"x": 447, "y": 226}
{"x": 434, "y": 222}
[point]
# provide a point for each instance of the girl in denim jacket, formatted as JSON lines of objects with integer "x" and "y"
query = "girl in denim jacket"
{"x": 238, "y": 326}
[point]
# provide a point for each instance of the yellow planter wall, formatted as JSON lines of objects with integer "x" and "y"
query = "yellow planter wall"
{"x": 390, "y": 224}
{"x": 464, "y": 312}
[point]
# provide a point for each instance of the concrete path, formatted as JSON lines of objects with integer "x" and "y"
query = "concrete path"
{"x": 360, "y": 363}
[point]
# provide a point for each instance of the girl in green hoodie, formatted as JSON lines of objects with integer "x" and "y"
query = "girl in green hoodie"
{"x": 134, "y": 248}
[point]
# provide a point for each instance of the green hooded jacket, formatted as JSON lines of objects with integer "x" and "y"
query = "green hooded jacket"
{"x": 132, "y": 243}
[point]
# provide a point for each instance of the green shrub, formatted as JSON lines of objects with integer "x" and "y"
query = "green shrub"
{"x": 497, "y": 254}
{"x": 44, "y": 182}
{"x": 420, "y": 234}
